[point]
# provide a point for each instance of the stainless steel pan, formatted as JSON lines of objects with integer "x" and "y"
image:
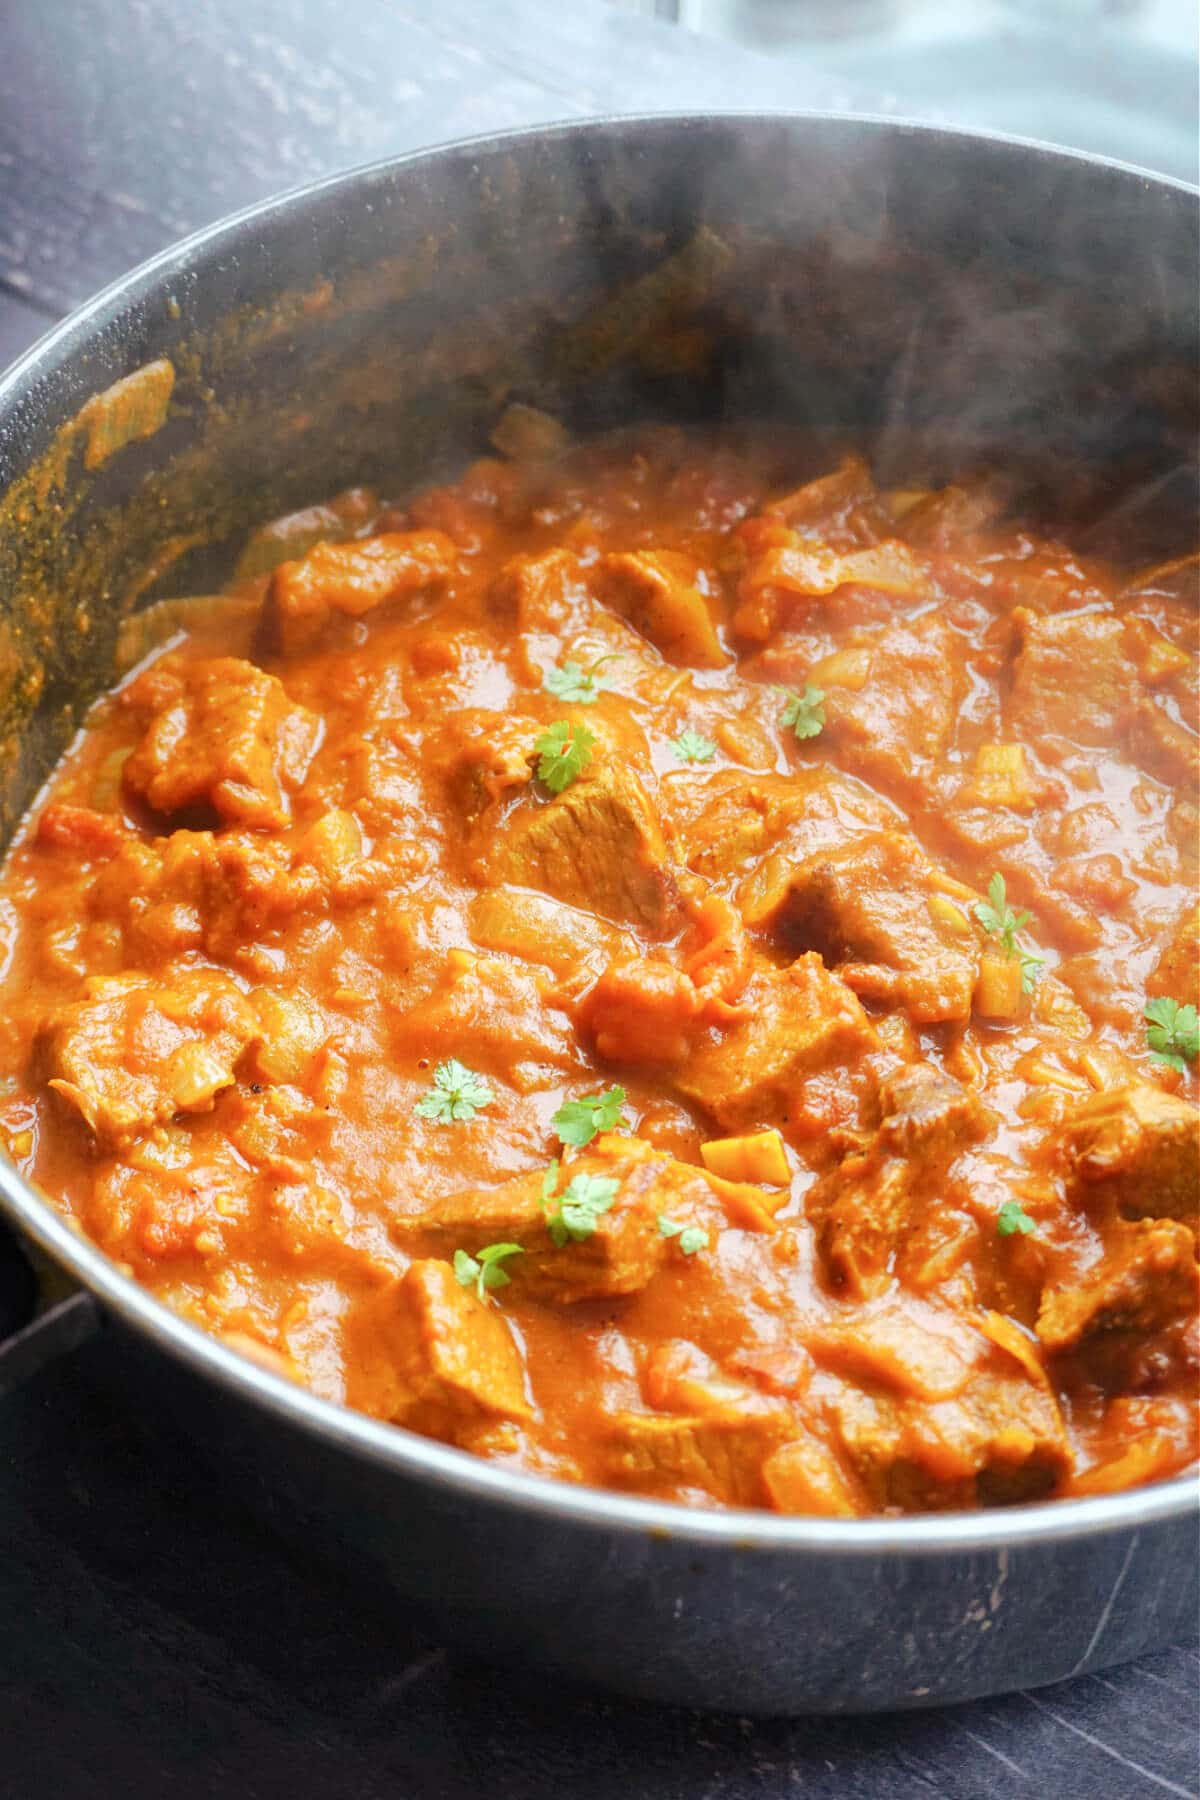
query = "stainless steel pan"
{"x": 936, "y": 293}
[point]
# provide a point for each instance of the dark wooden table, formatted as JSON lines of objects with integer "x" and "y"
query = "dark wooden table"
{"x": 150, "y": 1642}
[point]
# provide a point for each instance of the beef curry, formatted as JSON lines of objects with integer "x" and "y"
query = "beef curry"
{"x": 663, "y": 963}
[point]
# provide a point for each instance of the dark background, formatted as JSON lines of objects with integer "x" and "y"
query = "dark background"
{"x": 151, "y": 1641}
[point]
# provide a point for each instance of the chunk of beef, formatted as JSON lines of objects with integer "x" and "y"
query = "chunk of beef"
{"x": 223, "y": 735}
{"x": 598, "y": 845}
{"x": 998, "y": 1441}
{"x": 1177, "y": 971}
{"x": 898, "y": 725}
{"x": 494, "y": 1015}
{"x": 133, "y": 1051}
{"x": 1134, "y": 1150}
{"x": 656, "y": 590}
{"x": 1165, "y": 742}
{"x": 1071, "y": 678}
{"x": 543, "y": 595}
{"x": 1146, "y": 1278}
{"x": 842, "y": 509}
{"x": 351, "y": 578}
{"x": 740, "y": 819}
{"x": 622, "y": 1254}
{"x": 719, "y": 1454}
{"x": 428, "y": 1354}
{"x": 794, "y": 1023}
{"x": 865, "y": 905}
{"x": 482, "y": 756}
{"x": 865, "y": 1208}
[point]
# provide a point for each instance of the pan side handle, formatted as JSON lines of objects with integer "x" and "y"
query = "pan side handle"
{"x": 30, "y": 1339}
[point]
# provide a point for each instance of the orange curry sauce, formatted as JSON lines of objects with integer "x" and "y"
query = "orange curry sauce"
{"x": 302, "y": 953}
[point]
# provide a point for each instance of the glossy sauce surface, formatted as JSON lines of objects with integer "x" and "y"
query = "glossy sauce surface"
{"x": 310, "y": 857}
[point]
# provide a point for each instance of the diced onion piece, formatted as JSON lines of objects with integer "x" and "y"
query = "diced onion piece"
{"x": 1001, "y": 777}
{"x": 998, "y": 991}
{"x": 525, "y": 433}
{"x": 1149, "y": 1456}
{"x": 1054, "y": 1004}
{"x": 758, "y": 1156}
{"x": 844, "y": 668}
{"x": 902, "y": 500}
{"x": 750, "y": 1207}
{"x": 944, "y": 912}
{"x": 1044, "y": 1073}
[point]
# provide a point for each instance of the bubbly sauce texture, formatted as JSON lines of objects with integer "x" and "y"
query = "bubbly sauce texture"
{"x": 660, "y": 964}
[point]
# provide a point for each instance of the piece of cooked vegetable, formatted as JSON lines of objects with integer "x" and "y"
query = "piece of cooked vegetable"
{"x": 1002, "y": 923}
{"x": 456, "y": 1096}
{"x": 756, "y": 1156}
{"x": 564, "y": 751}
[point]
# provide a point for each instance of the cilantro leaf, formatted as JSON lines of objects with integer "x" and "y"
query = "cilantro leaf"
{"x": 691, "y": 1237}
{"x": 583, "y": 1202}
{"x": 1172, "y": 1033}
{"x": 691, "y": 747}
{"x": 578, "y": 1121}
{"x": 998, "y": 918}
{"x": 483, "y": 1270}
{"x": 575, "y": 684}
{"x": 564, "y": 751}
{"x": 457, "y": 1094}
{"x": 1012, "y": 1218}
{"x": 1001, "y": 922}
{"x": 805, "y": 712}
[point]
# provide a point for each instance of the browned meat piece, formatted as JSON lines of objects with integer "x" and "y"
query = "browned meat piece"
{"x": 898, "y": 725}
{"x": 841, "y": 509}
{"x": 740, "y": 819}
{"x": 547, "y": 594}
{"x": 597, "y": 845}
{"x": 624, "y": 1251}
{"x": 1135, "y": 1149}
{"x": 866, "y": 906}
{"x": 717, "y": 1455}
{"x": 1146, "y": 1278}
{"x": 864, "y": 1209}
{"x": 1071, "y": 678}
{"x": 1164, "y": 744}
{"x": 796, "y": 1022}
{"x": 351, "y": 578}
{"x": 493, "y": 1012}
{"x": 482, "y": 756}
{"x": 223, "y": 735}
{"x": 132, "y": 1052}
{"x": 1177, "y": 971}
{"x": 428, "y": 1354}
{"x": 998, "y": 1441}
{"x": 657, "y": 592}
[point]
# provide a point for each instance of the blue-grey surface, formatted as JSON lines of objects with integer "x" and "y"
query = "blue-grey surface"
{"x": 151, "y": 1641}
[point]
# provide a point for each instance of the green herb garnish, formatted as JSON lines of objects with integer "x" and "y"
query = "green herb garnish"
{"x": 456, "y": 1096}
{"x": 563, "y": 751}
{"x": 805, "y": 712}
{"x": 578, "y": 1121}
{"x": 691, "y": 1237}
{"x": 483, "y": 1270}
{"x": 583, "y": 1202}
{"x": 1173, "y": 1033}
{"x": 1001, "y": 922}
{"x": 1012, "y": 1218}
{"x": 691, "y": 747}
{"x": 575, "y": 684}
